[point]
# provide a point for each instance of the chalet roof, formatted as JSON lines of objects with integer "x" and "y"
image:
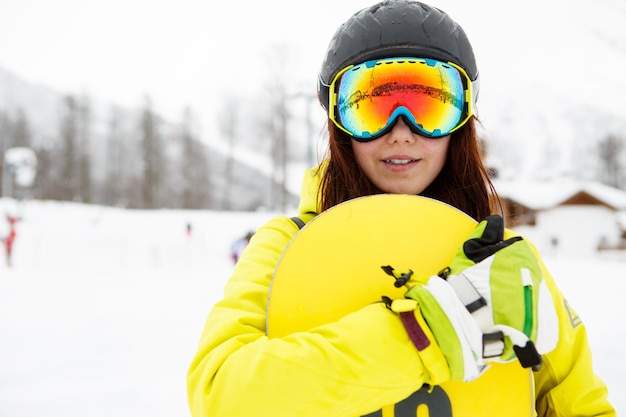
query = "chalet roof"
{"x": 542, "y": 195}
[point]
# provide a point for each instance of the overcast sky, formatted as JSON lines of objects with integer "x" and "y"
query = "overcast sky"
{"x": 190, "y": 52}
{"x": 177, "y": 51}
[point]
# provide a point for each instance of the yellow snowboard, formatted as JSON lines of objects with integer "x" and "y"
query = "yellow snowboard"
{"x": 341, "y": 251}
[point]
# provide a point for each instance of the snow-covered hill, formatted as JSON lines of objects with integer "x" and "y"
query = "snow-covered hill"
{"x": 102, "y": 309}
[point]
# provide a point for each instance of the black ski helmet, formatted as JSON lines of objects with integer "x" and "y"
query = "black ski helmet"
{"x": 394, "y": 28}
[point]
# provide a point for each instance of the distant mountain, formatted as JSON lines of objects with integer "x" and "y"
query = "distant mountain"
{"x": 251, "y": 188}
{"x": 552, "y": 81}
{"x": 42, "y": 104}
{"x": 552, "y": 88}
{"x": 551, "y": 75}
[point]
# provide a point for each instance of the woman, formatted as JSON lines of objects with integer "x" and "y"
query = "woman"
{"x": 425, "y": 146}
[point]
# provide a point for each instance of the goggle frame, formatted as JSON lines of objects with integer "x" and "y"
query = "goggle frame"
{"x": 469, "y": 96}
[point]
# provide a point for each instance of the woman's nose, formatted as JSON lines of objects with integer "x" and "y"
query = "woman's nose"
{"x": 400, "y": 131}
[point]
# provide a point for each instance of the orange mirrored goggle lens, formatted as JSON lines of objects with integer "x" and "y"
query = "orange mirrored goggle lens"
{"x": 432, "y": 96}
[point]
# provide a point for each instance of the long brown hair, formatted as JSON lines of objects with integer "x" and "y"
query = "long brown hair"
{"x": 463, "y": 182}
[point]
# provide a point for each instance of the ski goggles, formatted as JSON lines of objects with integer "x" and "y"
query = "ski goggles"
{"x": 435, "y": 98}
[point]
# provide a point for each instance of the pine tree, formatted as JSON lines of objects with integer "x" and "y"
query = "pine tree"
{"x": 610, "y": 152}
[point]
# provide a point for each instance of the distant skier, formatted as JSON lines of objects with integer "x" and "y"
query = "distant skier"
{"x": 239, "y": 245}
{"x": 9, "y": 239}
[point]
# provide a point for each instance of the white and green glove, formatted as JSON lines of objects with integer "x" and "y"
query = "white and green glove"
{"x": 453, "y": 328}
{"x": 492, "y": 302}
{"x": 502, "y": 285}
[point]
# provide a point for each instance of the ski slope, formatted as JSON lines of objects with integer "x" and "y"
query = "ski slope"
{"x": 102, "y": 309}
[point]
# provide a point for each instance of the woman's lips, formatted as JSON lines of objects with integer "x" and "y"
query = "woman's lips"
{"x": 396, "y": 161}
{"x": 400, "y": 163}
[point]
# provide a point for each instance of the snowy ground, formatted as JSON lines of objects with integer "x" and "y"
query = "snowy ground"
{"x": 102, "y": 309}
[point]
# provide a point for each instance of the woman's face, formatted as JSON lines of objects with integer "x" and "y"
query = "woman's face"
{"x": 402, "y": 162}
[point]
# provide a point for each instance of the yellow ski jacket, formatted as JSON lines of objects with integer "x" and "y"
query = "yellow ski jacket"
{"x": 351, "y": 367}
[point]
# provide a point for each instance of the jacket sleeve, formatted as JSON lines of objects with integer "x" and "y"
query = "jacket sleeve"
{"x": 350, "y": 367}
{"x": 566, "y": 384}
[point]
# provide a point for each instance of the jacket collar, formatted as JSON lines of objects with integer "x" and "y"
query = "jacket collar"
{"x": 309, "y": 192}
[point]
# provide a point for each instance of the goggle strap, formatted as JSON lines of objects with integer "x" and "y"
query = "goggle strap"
{"x": 323, "y": 95}
{"x": 475, "y": 85}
